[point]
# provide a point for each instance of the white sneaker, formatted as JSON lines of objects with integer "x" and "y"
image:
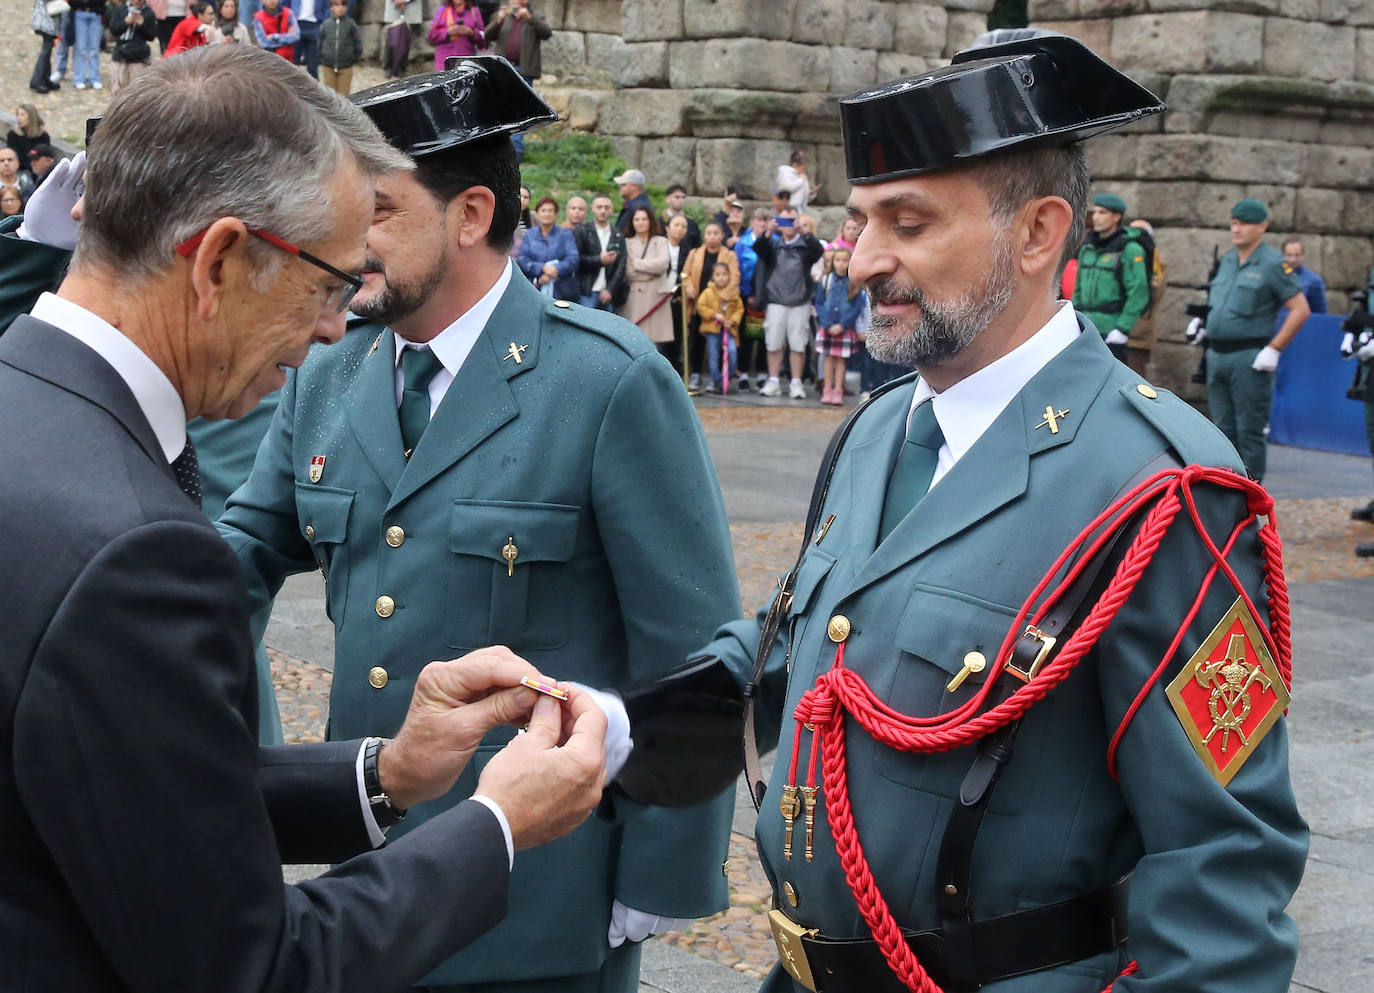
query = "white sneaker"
{"x": 55, "y": 78}
{"x": 80, "y": 86}
{"x": 97, "y": 85}
{"x": 772, "y": 388}
{"x": 695, "y": 382}
{"x": 796, "y": 391}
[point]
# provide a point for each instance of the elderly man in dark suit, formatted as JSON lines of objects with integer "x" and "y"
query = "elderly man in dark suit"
{"x": 143, "y": 828}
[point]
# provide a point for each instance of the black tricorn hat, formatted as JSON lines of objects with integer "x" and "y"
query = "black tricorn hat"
{"x": 1045, "y": 90}
{"x": 687, "y": 729}
{"x": 473, "y": 97}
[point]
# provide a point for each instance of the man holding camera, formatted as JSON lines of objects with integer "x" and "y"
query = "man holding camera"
{"x": 785, "y": 259}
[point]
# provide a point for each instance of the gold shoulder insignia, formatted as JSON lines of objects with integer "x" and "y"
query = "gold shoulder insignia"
{"x": 1287, "y": 269}
{"x": 1230, "y": 694}
{"x": 1139, "y": 258}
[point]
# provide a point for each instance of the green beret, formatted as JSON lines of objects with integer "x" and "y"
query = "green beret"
{"x": 1111, "y": 202}
{"x": 1251, "y": 211}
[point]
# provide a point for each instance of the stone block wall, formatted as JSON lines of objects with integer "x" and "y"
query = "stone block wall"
{"x": 1267, "y": 98}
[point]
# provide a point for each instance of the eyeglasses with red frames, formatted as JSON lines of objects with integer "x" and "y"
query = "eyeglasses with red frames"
{"x": 339, "y": 297}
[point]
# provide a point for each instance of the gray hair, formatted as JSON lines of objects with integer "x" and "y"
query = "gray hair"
{"x": 1012, "y": 179}
{"x": 221, "y": 131}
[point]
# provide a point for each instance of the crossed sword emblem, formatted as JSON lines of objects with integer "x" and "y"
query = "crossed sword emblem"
{"x": 1230, "y": 680}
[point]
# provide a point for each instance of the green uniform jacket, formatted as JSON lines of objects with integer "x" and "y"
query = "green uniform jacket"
{"x": 1214, "y": 867}
{"x": 1245, "y": 299}
{"x": 1112, "y": 288}
{"x": 27, "y": 270}
{"x": 588, "y": 457}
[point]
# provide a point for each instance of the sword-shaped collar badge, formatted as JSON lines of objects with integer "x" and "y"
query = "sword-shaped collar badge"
{"x": 515, "y": 352}
{"x": 1052, "y": 419}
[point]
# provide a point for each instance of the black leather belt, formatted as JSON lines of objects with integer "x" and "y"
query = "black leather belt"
{"x": 1235, "y": 345}
{"x": 1004, "y": 947}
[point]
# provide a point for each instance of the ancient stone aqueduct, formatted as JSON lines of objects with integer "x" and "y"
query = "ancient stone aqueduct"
{"x": 1267, "y": 98}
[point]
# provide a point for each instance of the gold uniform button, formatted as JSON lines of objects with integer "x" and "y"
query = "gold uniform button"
{"x": 790, "y": 891}
{"x": 975, "y": 662}
{"x": 385, "y": 606}
{"x": 562, "y": 304}
{"x": 395, "y": 536}
{"x": 725, "y": 868}
{"x": 1147, "y": 391}
{"x": 377, "y": 676}
{"x": 838, "y": 629}
{"x": 310, "y": 532}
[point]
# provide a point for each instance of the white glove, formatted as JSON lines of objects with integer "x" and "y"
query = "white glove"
{"x": 619, "y": 744}
{"x": 48, "y": 214}
{"x": 635, "y": 925}
{"x": 1266, "y": 361}
{"x": 1196, "y": 333}
{"x": 1366, "y": 353}
{"x": 1347, "y": 345}
{"x": 1117, "y": 337}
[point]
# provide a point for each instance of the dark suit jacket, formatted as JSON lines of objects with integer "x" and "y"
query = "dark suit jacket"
{"x": 141, "y": 828}
{"x": 589, "y": 259}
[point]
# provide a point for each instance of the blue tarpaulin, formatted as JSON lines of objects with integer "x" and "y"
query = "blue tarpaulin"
{"x": 1310, "y": 407}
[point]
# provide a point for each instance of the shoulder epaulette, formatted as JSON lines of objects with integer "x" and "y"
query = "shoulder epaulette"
{"x": 1196, "y": 440}
{"x": 613, "y": 328}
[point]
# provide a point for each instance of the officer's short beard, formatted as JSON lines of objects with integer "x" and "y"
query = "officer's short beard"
{"x": 398, "y": 299}
{"x": 942, "y": 330}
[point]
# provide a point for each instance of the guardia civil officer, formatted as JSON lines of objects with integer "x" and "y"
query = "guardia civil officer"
{"x": 477, "y": 464}
{"x": 1251, "y": 286}
{"x": 973, "y": 783}
{"x": 1113, "y": 285}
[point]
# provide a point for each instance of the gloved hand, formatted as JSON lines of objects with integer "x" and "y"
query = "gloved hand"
{"x": 619, "y": 744}
{"x": 1266, "y": 361}
{"x": 635, "y": 925}
{"x": 1347, "y": 345}
{"x": 48, "y": 214}
{"x": 1117, "y": 337}
{"x": 1366, "y": 353}
{"x": 1196, "y": 333}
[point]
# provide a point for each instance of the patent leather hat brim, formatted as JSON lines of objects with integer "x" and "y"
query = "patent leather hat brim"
{"x": 474, "y": 97}
{"x": 1047, "y": 90}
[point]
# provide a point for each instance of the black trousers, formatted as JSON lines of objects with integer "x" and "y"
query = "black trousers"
{"x": 42, "y": 69}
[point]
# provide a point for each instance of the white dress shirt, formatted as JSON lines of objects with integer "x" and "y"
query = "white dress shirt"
{"x": 452, "y": 345}
{"x": 968, "y": 408}
{"x": 603, "y": 235}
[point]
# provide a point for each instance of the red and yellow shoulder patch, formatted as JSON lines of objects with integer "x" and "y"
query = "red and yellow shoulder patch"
{"x": 1230, "y": 694}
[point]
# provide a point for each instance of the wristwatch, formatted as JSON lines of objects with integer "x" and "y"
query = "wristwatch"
{"x": 384, "y": 812}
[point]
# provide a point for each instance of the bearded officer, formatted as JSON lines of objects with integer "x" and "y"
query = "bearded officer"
{"x": 478, "y": 465}
{"x": 1120, "y": 828}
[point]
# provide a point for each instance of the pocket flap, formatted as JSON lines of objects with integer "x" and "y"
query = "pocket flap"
{"x": 815, "y": 567}
{"x": 942, "y": 627}
{"x": 541, "y": 532}
{"x": 325, "y": 511}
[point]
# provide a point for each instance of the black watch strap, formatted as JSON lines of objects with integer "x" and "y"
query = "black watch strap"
{"x": 384, "y": 812}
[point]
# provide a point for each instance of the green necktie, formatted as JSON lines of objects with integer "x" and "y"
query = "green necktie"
{"x": 418, "y": 366}
{"x": 914, "y": 469}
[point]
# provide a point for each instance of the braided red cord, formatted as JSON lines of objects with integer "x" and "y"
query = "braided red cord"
{"x": 840, "y": 690}
{"x": 1131, "y": 969}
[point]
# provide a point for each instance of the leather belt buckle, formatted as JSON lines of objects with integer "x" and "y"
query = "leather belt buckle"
{"x": 1029, "y": 640}
{"x": 788, "y": 935}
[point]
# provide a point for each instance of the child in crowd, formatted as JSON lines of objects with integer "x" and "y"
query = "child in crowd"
{"x": 341, "y": 46}
{"x": 721, "y": 309}
{"x": 839, "y": 303}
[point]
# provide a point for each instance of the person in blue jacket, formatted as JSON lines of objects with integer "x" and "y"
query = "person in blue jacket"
{"x": 548, "y": 254}
{"x": 839, "y": 305}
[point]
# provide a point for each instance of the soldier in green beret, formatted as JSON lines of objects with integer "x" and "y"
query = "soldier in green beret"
{"x": 1251, "y": 286}
{"x": 1113, "y": 284}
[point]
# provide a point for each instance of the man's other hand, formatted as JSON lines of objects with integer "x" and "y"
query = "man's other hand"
{"x": 549, "y": 779}
{"x": 454, "y": 705}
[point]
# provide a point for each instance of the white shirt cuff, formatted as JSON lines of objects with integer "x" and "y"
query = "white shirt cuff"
{"x": 495, "y": 808}
{"x": 374, "y": 833}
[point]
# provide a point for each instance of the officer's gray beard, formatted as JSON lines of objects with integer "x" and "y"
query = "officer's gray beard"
{"x": 942, "y": 329}
{"x": 397, "y": 300}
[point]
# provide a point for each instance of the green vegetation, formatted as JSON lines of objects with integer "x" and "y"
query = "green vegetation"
{"x": 560, "y": 165}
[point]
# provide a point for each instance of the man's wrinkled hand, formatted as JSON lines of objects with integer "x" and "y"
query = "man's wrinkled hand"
{"x": 454, "y": 705}
{"x": 547, "y": 780}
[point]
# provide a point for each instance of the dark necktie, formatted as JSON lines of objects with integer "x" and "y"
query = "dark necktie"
{"x": 915, "y": 468}
{"x": 418, "y": 366}
{"x": 187, "y": 469}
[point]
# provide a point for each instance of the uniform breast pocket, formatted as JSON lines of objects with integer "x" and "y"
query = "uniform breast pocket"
{"x": 508, "y": 573}
{"x": 1245, "y": 299}
{"x": 940, "y": 633}
{"x": 324, "y": 513}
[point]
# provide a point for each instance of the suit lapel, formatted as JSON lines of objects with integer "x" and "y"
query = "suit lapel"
{"x": 372, "y": 411}
{"x": 480, "y": 400}
{"x": 42, "y": 350}
{"x": 997, "y": 469}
